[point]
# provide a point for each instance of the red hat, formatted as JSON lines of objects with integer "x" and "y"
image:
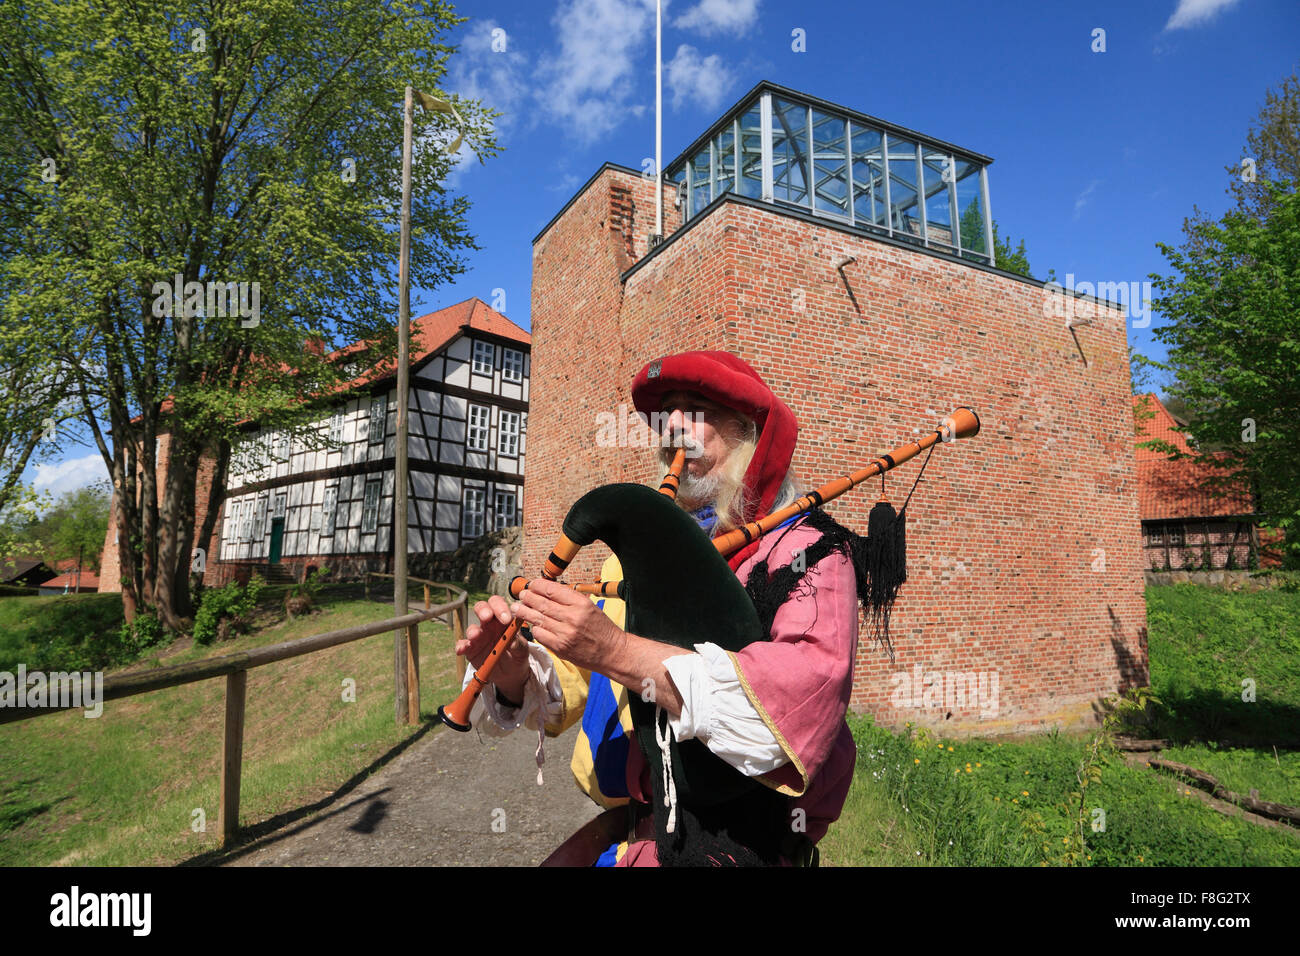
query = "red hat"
{"x": 723, "y": 378}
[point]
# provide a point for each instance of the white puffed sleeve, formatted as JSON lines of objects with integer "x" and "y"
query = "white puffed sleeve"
{"x": 716, "y": 711}
{"x": 542, "y": 691}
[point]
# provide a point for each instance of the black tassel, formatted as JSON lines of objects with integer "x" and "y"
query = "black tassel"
{"x": 886, "y": 566}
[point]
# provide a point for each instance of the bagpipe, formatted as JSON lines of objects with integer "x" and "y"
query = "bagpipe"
{"x": 677, "y": 585}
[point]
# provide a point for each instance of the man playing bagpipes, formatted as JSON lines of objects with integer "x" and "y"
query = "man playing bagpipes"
{"x": 713, "y": 755}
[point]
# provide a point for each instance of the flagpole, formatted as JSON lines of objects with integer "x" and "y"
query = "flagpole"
{"x": 659, "y": 95}
{"x": 403, "y": 641}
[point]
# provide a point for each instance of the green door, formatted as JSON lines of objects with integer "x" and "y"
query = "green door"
{"x": 277, "y": 537}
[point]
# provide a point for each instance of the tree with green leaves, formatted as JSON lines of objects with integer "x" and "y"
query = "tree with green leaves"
{"x": 1272, "y": 151}
{"x": 972, "y": 237}
{"x": 1233, "y": 337}
{"x": 74, "y": 528}
{"x": 192, "y": 193}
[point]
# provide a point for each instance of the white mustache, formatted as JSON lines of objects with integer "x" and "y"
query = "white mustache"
{"x": 694, "y": 448}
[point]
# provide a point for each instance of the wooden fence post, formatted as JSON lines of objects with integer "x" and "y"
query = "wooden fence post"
{"x": 232, "y": 755}
{"x": 458, "y": 634}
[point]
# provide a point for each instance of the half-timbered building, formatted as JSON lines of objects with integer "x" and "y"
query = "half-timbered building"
{"x": 289, "y": 501}
{"x": 292, "y": 503}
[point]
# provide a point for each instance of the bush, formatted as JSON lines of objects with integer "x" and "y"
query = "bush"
{"x": 231, "y": 603}
{"x": 133, "y": 639}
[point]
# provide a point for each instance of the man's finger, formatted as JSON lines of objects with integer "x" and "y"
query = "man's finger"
{"x": 559, "y": 593}
{"x": 543, "y": 605}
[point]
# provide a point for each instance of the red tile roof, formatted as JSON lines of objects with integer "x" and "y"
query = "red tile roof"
{"x": 1179, "y": 488}
{"x": 1160, "y": 425}
{"x": 89, "y": 581}
{"x": 429, "y": 333}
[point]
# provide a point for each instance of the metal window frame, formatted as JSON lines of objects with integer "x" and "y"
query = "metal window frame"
{"x": 889, "y": 203}
{"x": 765, "y": 107}
{"x": 848, "y": 169}
{"x": 848, "y": 163}
{"x": 920, "y": 193}
{"x": 765, "y": 124}
{"x": 810, "y": 180}
{"x": 954, "y": 212}
{"x": 991, "y": 252}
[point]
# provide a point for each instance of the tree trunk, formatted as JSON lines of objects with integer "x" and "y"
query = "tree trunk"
{"x": 176, "y": 530}
{"x": 216, "y": 497}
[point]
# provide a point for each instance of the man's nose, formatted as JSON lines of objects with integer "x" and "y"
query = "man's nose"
{"x": 677, "y": 421}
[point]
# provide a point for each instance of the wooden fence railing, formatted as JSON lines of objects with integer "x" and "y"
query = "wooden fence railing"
{"x": 235, "y": 668}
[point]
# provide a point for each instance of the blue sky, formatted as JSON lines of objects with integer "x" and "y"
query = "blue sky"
{"x": 1097, "y": 155}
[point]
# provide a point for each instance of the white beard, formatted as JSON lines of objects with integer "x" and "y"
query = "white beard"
{"x": 695, "y": 491}
{"x": 698, "y": 492}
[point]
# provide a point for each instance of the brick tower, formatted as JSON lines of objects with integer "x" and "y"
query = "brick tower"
{"x": 847, "y": 259}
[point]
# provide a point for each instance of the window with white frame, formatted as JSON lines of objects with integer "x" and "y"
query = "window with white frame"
{"x": 336, "y": 426}
{"x": 471, "y": 521}
{"x": 259, "y": 518}
{"x": 378, "y": 418}
{"x": 504, "y": 510}
{"x": 512, "y": 365}
{"x": 279, "y": 506}
{"x": 484, "y": 355}
{"x": 478, "y": 428}
{"x": 370, "y": 507}
{"x": 246, "y": 522}
{"x": 508, "y": 435}
{"x": 328, "y": 510}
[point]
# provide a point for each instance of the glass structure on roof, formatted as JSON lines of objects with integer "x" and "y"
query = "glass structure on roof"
{"x": 802, "y": 153}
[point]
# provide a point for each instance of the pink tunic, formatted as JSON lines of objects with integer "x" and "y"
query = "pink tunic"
{"x": 799, "y": 682}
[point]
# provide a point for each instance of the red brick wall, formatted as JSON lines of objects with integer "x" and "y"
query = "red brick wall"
{"x": 1006, "y": 530}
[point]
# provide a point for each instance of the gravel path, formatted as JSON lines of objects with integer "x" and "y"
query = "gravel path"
{"x": 450, "y": 799}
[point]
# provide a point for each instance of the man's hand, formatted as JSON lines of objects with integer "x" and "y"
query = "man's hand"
{"x": 571, "y": 625}
{"x": 511, "y": 672}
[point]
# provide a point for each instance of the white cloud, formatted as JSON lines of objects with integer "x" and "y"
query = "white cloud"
{"x": 567, "y": 184}
{"x": 704, "y": 80}
{"x": 711, "y": 17}
{"x": 586, "y": 84}
{"x": 69, "y": 474}
{"x": 1082, "y": 199}
{"x": 498, "y": 78}
{"x": 1191, "y": 13}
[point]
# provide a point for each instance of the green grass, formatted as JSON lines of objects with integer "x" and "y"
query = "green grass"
{"x": 122, "y": 789}
{"x": 920, "y": 800}
{"x": 31, "y": 627}
{"x": 1204, "y": 646}
{"x": 1275, "y": 775}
